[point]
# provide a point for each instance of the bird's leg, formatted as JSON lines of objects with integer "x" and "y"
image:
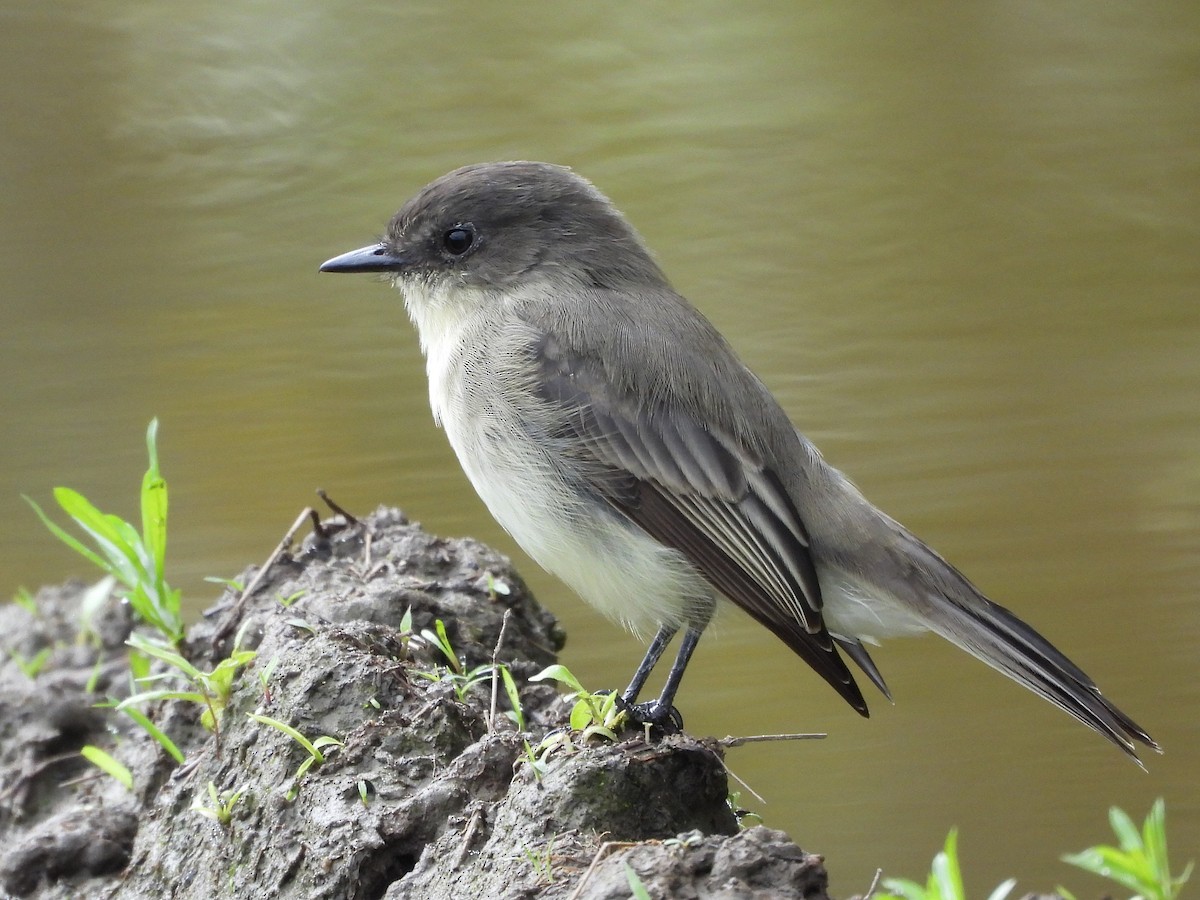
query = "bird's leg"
{"x": 662, "y": 712}
{"x": 653, "y": 654}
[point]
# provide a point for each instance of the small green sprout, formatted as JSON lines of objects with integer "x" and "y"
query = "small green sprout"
{"x": 291, "y": 598}
{"x": 211, "y": 690}
{"x": 462, "y": 680}
{"x": 1140, "y": 862}
{"x": 593, "y": 714}
{"x": 440, "y": 640}
{"x": 406, "y": 632}
{"x": 944, "y": 881}
{"x": 542, "y": 860}
{"x": 264, "y": 677}
{"x": 25, "y": 600}
{"x": 301, "y": 624}
{"x": 220, "y": 807}
{"x": 313, "y": 748}
{"x": 135, "y": 560}
{"x": 497, "y": 587}
{"x": 535, "y": 759}
{"x": 32, "y": 666}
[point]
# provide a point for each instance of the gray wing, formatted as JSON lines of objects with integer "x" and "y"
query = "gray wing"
{"x": 697, "y": 490}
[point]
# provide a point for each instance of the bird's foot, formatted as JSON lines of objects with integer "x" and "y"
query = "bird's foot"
{"x": 662, "y": 718}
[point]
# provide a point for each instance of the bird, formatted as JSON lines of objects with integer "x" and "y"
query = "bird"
{"x": 615, "y": 434}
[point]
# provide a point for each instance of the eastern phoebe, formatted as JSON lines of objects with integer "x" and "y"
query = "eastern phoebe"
{"x": 617, "y": 437}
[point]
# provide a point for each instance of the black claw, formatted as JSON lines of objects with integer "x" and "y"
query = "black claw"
{"x": 662, "y": 720}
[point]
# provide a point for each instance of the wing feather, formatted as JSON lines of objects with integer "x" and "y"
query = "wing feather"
{"x": 695, "y": 489}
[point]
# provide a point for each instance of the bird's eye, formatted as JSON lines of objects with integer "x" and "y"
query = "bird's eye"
{"x": 458, "y": 240}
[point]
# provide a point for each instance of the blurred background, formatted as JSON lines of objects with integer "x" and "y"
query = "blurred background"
{"x": 961, "y": 242}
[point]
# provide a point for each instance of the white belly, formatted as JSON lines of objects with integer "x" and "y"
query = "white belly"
{"x": 608, "y": 561}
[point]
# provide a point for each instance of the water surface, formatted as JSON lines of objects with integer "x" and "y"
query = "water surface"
{"x": 960, "y": 243}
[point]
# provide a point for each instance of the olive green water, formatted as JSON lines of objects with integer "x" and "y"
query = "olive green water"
{"x": 961, "y": 243}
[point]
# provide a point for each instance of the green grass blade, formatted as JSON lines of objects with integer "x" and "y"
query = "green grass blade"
{"x": 1003, "y": 889}
{"x": 107, "y": 763}
{"x": 291, "y": 732}
{"x": 31, "y": 667}
{"x": 942, "y": 879}
{"x": 1128, "y": 836}
{"x": 106, "y": 531}
{"x": 562, "y": 675}
{"x": 1179, "y": 882}
{"x": 514, "y": 697}
{"x": 1154, "y": 839}
{"x": 443, "y": 641}
{"x": 157, "y": 733}
{"x": 326, "y": 740}
{"x": 152, "y": 444}
{"x": 165, "y": 694}
{"x": 1133, "y": 871}
{"x": 154, "y": 509}
{"x": 950, "y": 874}
{"x": 636, "y": 886}
{"x": 581, "y": 715}
{"x": 70, "y": 540}
{"x": 170, "y": 657}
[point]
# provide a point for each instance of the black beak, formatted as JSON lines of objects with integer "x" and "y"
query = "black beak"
{"x": 376, "y": 258}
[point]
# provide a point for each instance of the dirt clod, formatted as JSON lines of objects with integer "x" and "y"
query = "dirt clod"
{"x": 426, "y": 790}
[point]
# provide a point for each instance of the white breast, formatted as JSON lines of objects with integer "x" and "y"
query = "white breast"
{"x": 478, "y": 396}
{"x": 440, "y": 326}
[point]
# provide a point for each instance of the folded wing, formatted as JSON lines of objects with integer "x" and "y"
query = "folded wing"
{"x": 696, "y": 490}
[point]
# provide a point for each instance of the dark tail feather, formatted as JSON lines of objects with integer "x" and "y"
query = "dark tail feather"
{"x": 857, "y": 652}
{"x": 954, "y": 608}
{"x": 992, "y": 633}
